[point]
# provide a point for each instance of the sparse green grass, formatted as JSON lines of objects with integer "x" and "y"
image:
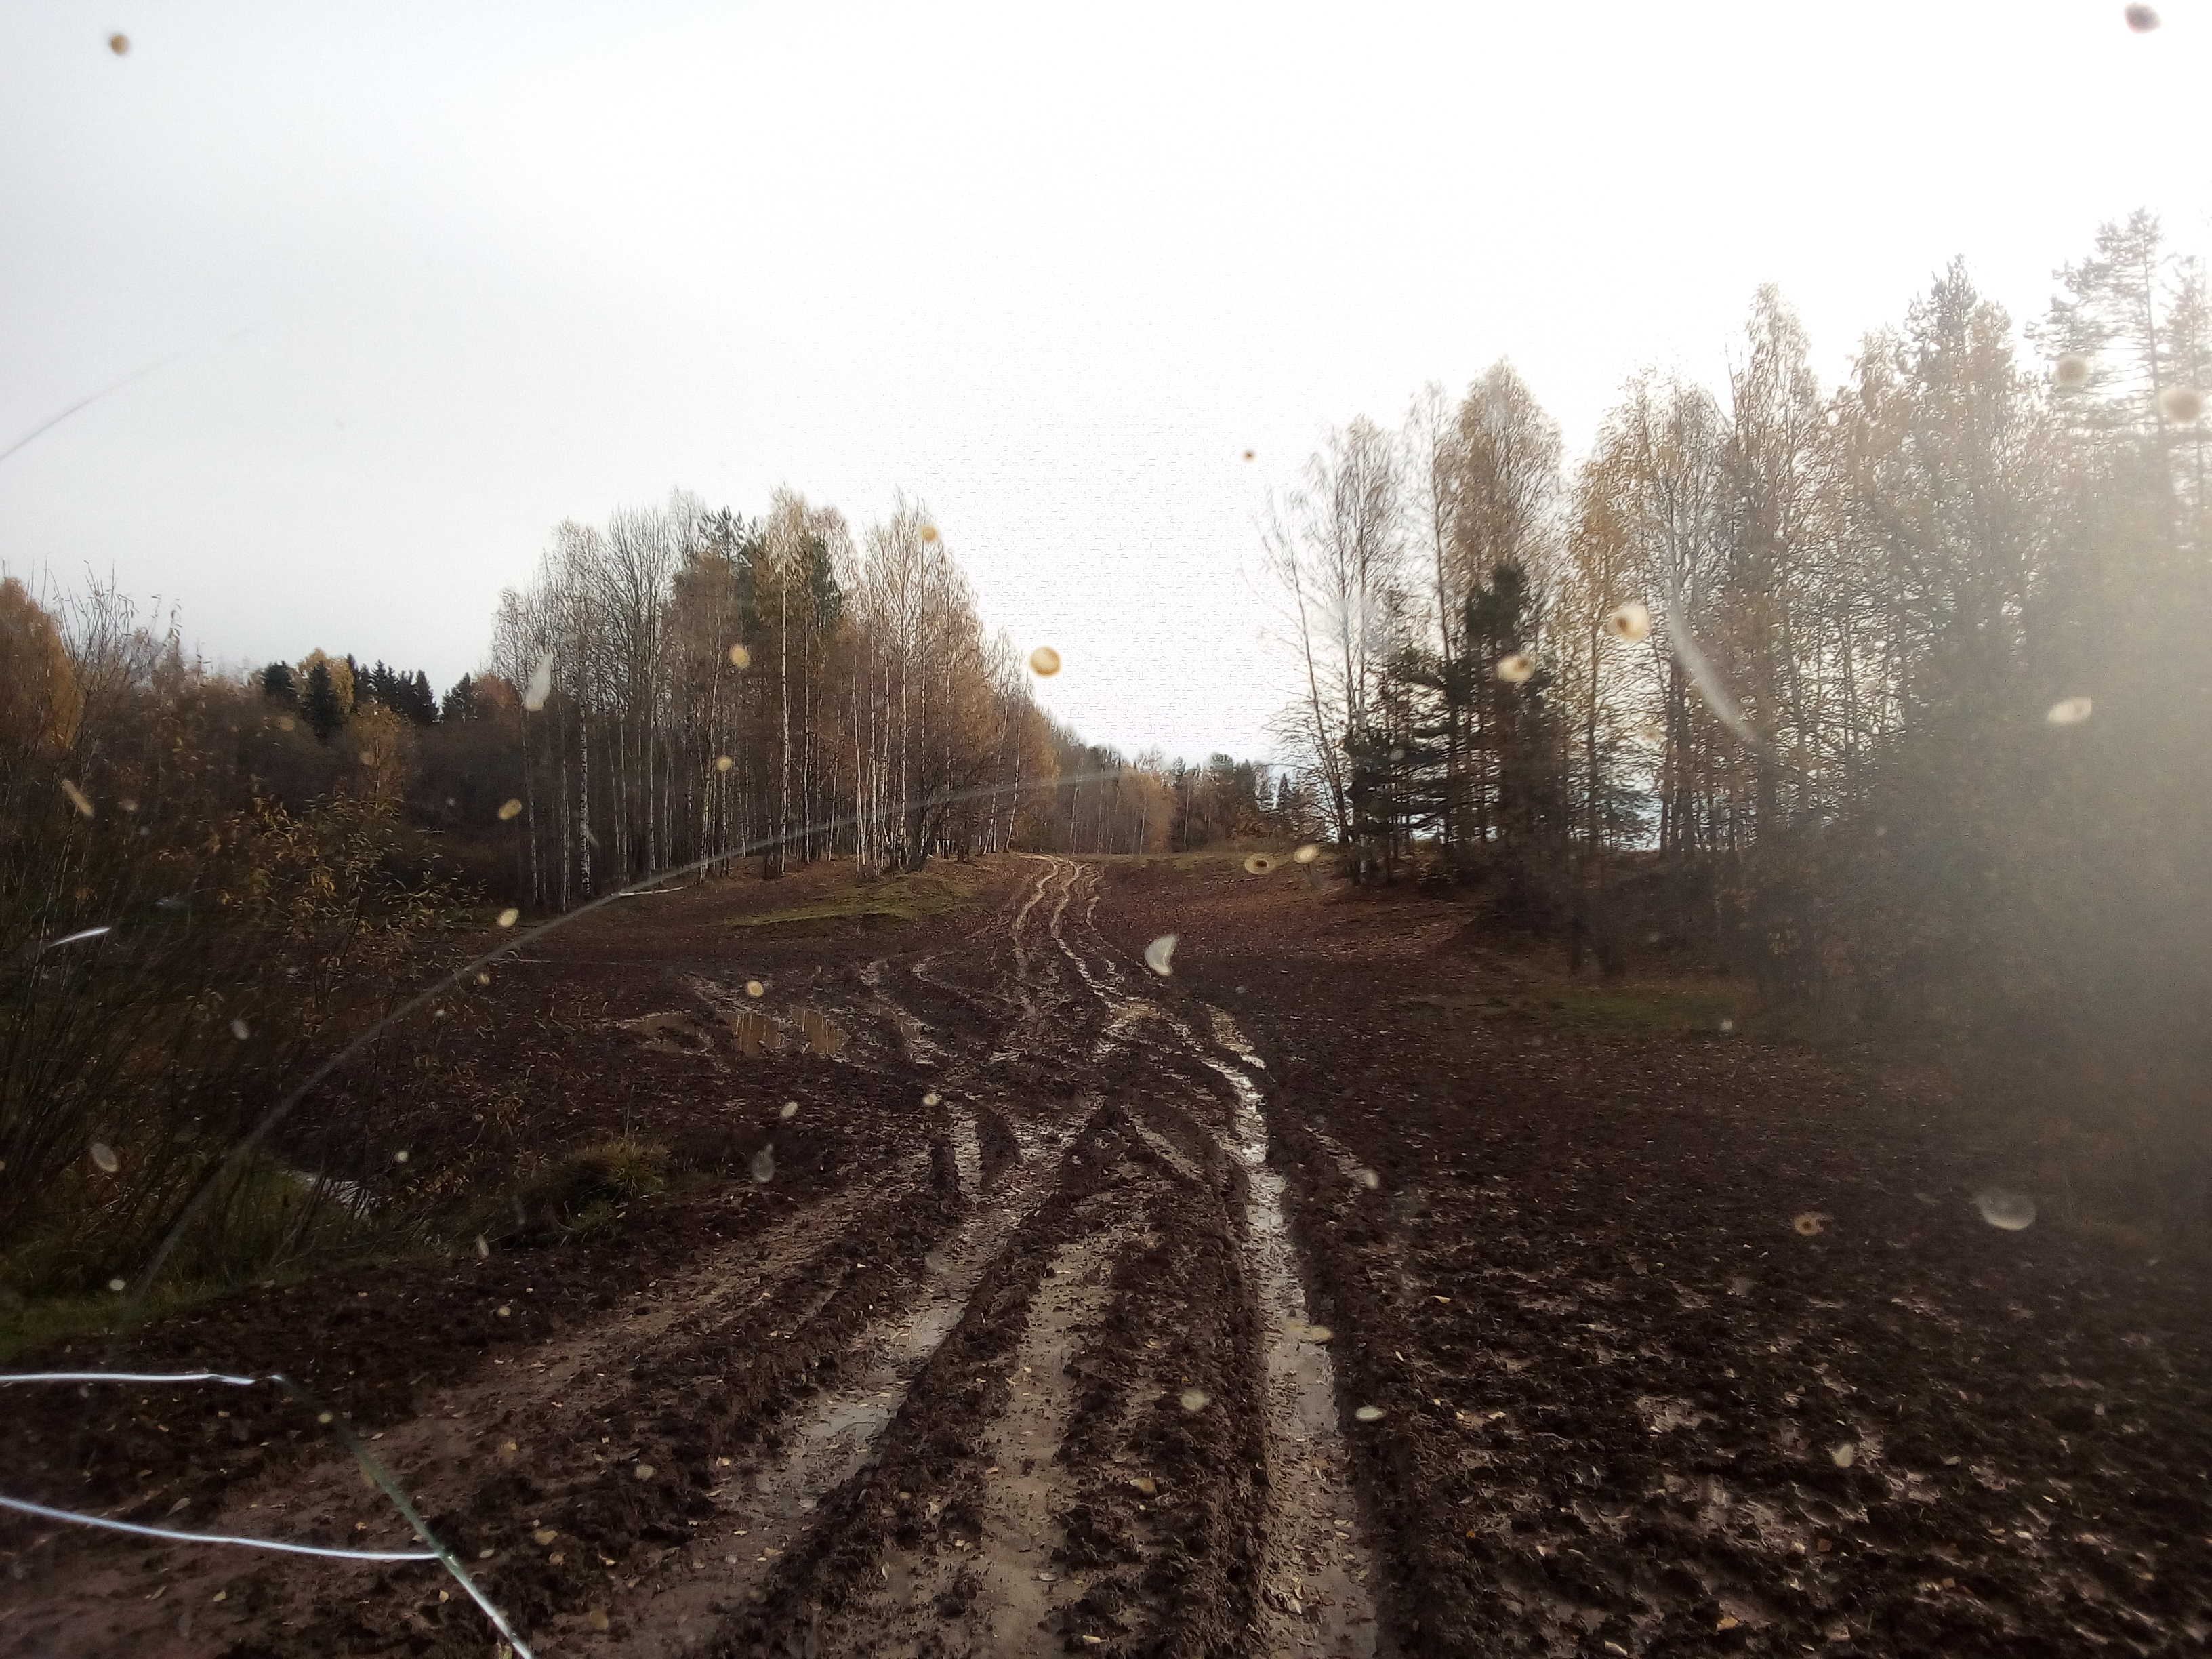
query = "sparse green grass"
{"x": 892, "y": 899}
{"x": 1632, "y": 1012}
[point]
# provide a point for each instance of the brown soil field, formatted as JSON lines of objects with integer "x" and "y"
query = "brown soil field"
{"x": 1362, "y": 1285}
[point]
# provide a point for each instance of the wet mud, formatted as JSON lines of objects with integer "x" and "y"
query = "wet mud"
{"x": 1291, "y": 1304}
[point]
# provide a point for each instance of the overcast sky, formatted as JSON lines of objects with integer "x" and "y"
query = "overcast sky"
{"x": 442, "y": 275}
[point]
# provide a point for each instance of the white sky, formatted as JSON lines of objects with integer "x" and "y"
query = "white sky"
{"x": 443, "y": 276}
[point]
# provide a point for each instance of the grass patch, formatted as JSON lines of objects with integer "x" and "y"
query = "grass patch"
{"x": 1629, "y": 1012}
{"x": 890, "y": 900}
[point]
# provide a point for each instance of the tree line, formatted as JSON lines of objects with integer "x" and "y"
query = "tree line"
{"x": 1890, "y": 693}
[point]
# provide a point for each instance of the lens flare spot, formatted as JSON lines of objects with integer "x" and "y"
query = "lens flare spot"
{"x": 1515, "y": 668}
{"x": 1809, "y": 1223}
{"x": 2071, "y": 372}
{"x": 2013, "y": 1211}
{"x": 740, "y": 657}
{"x": 76, "y": 798}
{"x": 1195, "y": 1400}
{"x": 103, "y": 1156}
{"x": 2182, "y": 404}
{"x": 1258, "y": 864}
{"x": 1631, "y": 621}
{"x": 509, "y": 916}
{"x": 1307, "y": 854}
{"x": 1044, "y": 662}
{"x": 2142, "y": 19}
{"x": 1159, "y": 955}
{"x": 2069, "y": 711}
{"x": 764, "y": 1165}
{"x": 508, "y": 809}
{"x": 1370, "y": 1414}
{"x": 541, "y": 684}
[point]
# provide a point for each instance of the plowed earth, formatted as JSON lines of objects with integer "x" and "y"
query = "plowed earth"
{"x": 1300, "y": 1302}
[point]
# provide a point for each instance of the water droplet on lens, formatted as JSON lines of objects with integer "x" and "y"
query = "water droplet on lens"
{"x": 723, "y": 763}
{"x": 104, "y": 1156}
{"x": 2010, "y": 1210}
{"x": 1307, "y": 854}
{"x": 1809, "y": 1223}
{"x": 2142, "y": 19}
{"x": 1195, "y": 1400}
{"x": 2069, "y": 711}
{"x": 740, "y": 657}
{"x": 1159, "y": 955}
{"x": 1369, "y": 1413}
{"x": 1044, "y": 662}
{"x": 764, "y": 1165}
{"x": 1515, "y": 669}
{"x": 645, "y": 1471}
{"x": 483, "y": 1247}
{"x": 2181, "y": 405}
{"x": 1367, "y": 1178}
{"x": 1318, "y": 1332}
{"x": 399, "y": 1157}
{"x": 755, "y": 988}
{"x": 76, "y": 798}
{"x": 929, "y": 532}
{"x": 118, "y": 1285}
{"x": 1631, "y": 621}
{"x": 508, "y": 917}
{"x": 2071, "y": 372}
{"x": 508, "y": 809}
{"x": 240, "y": 1029}
{"x": 1844, "y": 1455}
{"x": 932, "y": 1098}
{"x": 541, "y": 684}
{"x": 790, "y": 1108}
{"x": 118, "y": 44}
{"x": 1258, "y": 864}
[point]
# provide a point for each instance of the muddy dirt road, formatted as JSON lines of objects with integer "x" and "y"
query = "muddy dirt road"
{"x": 1331, "y": 1295}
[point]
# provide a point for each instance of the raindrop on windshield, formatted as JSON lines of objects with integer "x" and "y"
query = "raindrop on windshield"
{"x": 2010, "y": 1210}
{"x": 2181, "y": 405}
